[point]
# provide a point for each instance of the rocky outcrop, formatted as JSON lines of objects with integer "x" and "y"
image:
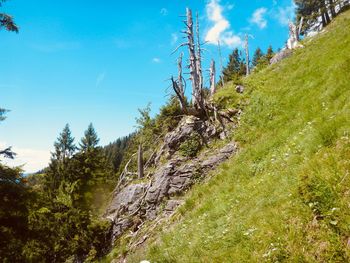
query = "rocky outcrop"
{"x": 173, "y": 175}
{"x": 184, "y": 130}
{"x": 284, "y": 53}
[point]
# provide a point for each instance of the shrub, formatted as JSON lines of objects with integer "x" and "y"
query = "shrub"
{"x": 191, "y": 146}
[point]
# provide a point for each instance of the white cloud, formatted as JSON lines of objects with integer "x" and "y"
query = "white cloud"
{"x": 174, "y": 39}
{"x": 284, "y": 14}
{"x": 221, "y": 28}
{"x": 32, "y": 160}
{"x": 164, "y": 11}
{"x": 156, "y": 60}
{"x": 258, "y": 18}
{"x": 100, "y": 78}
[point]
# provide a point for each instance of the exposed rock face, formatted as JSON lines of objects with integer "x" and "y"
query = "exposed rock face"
{"x": 185, "y": 129}
{"x": 160, "y": 195}
{"x": 284, "y": 53}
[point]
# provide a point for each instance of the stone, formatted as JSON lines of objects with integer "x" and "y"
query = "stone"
{"x": 136, "y": 202}
{"x": 239, "y": 89}
{"x": 125, "y": 199}
{"x": 284, "y": 53}
{"x": 172, "y": 205}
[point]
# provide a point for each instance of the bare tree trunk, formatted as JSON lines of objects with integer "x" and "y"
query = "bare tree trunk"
{"x": 332, "y": 8}
{"x": 300, "y": 27}
{"x": 179, "y": 77}
{"x": 247, "y": 55}
{"x": 199, "y": 57}
{"x": 221, "y": 67}
{"x": 212, "y": 77}
{"x": 140, "y": 162}
{"x": 193, "y": 60}
{"x": 180, "y": 95}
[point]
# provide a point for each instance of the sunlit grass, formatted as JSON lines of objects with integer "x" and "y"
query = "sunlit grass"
{"x": 285, "y": 197}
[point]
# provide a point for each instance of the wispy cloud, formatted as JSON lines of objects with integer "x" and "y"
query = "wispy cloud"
{"x": 258, "y": 18}
{"x": 164, "y": 11}
{"x": 100, "y": 78}
{"x": 221, "y": 28}
{"x": 56, "y": 46}
{"x": 174, "y": 39}
{"x": 32, "y": 160}
{"x": 156, "y": 60}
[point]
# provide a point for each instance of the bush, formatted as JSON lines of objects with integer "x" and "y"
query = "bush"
{"x": 191, "y": 146}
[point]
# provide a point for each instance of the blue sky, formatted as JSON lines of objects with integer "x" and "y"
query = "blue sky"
{"x": 88, "y": 61}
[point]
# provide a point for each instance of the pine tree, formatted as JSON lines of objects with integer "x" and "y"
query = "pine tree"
{"x": 234, "y": 67}
{"x": 258, "y": 55}
{"x": 64, "y": 146}
{"x": 6, "y": 21}
{"x": 90, "y": 139}
{"x": 7, "y": 153}
{"x": 269, "y": 54}
{"x": 312, "y": 10}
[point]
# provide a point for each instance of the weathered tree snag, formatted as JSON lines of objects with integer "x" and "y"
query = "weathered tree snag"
{"x": 140, "y": 162}
{"x": 212, "y": 77}
{"x": 199, "y": 57}
{"x": 293, "y": 36}
{"x": 193, "y": 60}
{"x": 300, "y": 27}
{"x": 179, "y": 77}
{"x": 194, "y": 66}
{"x": 221, "y": 66}
{"x": 247, "y": 54}
{"x": 180, "y": 95}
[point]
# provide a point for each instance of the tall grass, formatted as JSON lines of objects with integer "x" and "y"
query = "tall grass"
{"x": 285, "y": 197}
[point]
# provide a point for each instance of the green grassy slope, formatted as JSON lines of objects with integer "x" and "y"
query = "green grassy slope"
{"x": 286, "y": 196}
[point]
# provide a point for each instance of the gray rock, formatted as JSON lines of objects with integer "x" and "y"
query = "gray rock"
{"x": 284, "y": 53}
{"x": 221, "y": 156}
{"x": 120, "y": 227}
{"x": 239, "y": 89}
{"x": 172, "y": 205}
{"x": 136, "y": 202}
{"x": 126, "y": 200}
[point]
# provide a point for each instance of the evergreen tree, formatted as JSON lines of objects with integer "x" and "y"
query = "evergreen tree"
{"x": 14, "y": 197}
{"x": 312, "y": 10}
{"x": 64, "y": 146}
{"x": 258, "y": 55}
{"x": 7, "y": 153}
{"x": 235, "y": 67}
{"x": 90, "y": 139}
{"x": 6, "y": 21}
{"x": 269, "y": 54}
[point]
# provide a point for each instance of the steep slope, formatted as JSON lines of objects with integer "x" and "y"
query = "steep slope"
{"x": 286, "y": 195}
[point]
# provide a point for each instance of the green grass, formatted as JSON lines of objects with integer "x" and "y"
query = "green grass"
{"x": 285, "y": 197}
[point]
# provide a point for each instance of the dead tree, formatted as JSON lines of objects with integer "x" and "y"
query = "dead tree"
{"x": 247, "y": 54}
{"x": 300, "y": 27}
{"x": 212, "y": 77}
{"x": 293, "y": 36}
{"x": 221, "y": 66}
{"x": 194, "y": 65}
{"x": 140, "y": 162}
{"x": 180, "y": 95}
{"x": 179, "y": 76}
{"x": 199, "y": 56}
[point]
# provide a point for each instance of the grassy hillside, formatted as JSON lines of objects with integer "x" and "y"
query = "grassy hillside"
{"x": 286, "y": 196}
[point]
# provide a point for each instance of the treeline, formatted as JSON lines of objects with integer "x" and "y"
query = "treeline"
{"x": 58, "y": 218}
{"x": 55, "y": 215}
{"x": 236, "y": 66}
{"x": 314, "y": 10}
